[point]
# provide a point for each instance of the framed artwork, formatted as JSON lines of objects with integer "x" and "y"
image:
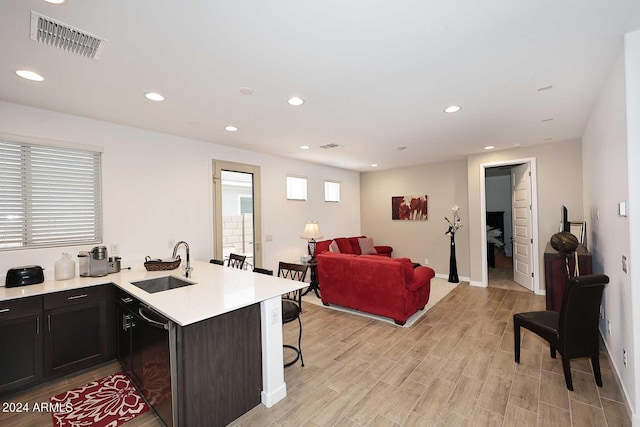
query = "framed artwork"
{"x": 409, "y": 208}
{"x": 578, "y": 229}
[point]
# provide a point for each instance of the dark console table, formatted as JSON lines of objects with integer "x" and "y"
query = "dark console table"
{"x": 555, "y": 275}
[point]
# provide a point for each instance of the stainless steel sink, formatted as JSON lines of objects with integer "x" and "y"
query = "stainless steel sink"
{"x": 160, "y": 284}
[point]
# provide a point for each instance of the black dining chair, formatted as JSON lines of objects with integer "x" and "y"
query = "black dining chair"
{"x": 263, "y": 271}
{"x": 292, "y": 303}
{"x": 573, "y": 332}
{"x": 236, "y": 261}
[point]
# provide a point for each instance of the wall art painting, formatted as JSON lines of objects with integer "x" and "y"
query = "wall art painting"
{"x": 412, "y": 208}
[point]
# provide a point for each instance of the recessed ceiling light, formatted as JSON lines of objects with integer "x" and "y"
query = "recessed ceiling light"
{"x": 547, "y": 120}
{"x": 54, "y": 1}
{"x": 489, "y": 147}
{"x": 30, "y": 75}
{"x": 516, "y": 145}
{"x": 246, "y": 90}
{"x": 231, "y": 128}
{"x": 452, "y": 109}
{"x": 304, "y": 147}
{"x": 548, "y": 139}
{"x": 541, "y": 89}
{"x": 295, "y": 101}
{"x": 374, "y": 165}
{"x": 154, "y": 96}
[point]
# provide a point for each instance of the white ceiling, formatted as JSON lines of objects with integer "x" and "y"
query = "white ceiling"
{"x": 375, "y": 74}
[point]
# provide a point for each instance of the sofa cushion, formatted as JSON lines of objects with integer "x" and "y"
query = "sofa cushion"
{"x": 333, "y": 247}
{"x": 344, "y": 244}
{"x": 366, "y": 246}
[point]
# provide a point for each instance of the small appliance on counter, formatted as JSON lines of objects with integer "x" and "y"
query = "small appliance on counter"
{"x": 113, "y": 265}
{"x": 22, "y": 276}
{"x": 94, "y": 263}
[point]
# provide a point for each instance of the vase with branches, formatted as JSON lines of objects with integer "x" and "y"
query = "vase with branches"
{"x": 454, "y": 226}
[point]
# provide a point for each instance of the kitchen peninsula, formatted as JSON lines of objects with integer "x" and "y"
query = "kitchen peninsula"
{"x": 194, "y": 311}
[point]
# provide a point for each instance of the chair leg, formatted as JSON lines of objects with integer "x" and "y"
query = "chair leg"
{"x": 552, "y": 349}
{"x": 567, "y": 372}
{"x": 516, "y": 341}
{"x": 300, "y": 340}
{"x": 595, "y": 363}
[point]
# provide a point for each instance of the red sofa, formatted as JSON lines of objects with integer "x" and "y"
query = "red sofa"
{"x": 388, "y": 287}
{"x": 350, "y": 245}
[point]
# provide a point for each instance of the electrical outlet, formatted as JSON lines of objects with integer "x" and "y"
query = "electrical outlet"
{"x": 171, "y": 243}
{"x": 115, "y": 249}
{"x": 609, "y": 327}
{"x": 601, "y": 311}
{"x": 624, "y": 357}
{"x": 426, "y": 261}
{"x": 275, "y": 318}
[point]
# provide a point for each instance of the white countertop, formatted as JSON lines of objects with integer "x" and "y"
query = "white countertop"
{"x": 217, "y": 290}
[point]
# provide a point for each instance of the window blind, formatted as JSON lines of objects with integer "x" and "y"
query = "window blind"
{"x": 49, "y": 196}
{"x": 296, "y": 188}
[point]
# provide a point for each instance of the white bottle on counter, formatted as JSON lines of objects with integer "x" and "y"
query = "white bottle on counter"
{"x": 64, "y": 268}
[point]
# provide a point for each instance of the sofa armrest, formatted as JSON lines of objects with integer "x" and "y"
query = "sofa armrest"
{"x": 421, "y": 277}
{"x": 384, "y": 250}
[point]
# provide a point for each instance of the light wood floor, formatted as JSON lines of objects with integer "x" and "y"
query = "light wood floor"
{"x": 453, "y": 368}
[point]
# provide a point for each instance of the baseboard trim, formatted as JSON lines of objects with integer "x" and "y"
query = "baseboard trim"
{"x": 635, "y": 418}
{"x": 446, "y": 277}
{"x": 275, "y": 396}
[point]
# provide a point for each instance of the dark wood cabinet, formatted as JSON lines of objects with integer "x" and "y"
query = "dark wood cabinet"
{"x": 21, "y": 338}
{"x": 555, "y": 273}
{"x": 219, "y": 368}
{"x": 79, "y": 329}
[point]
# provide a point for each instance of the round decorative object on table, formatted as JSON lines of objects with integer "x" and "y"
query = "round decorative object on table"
{"x": 564, "y": 242}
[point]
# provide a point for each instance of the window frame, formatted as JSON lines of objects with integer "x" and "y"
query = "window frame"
{"x": 291, "y": 190}
{"x": 331, "y": 181}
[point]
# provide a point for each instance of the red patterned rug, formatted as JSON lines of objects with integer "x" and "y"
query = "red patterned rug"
{"x": 108, "y": 402}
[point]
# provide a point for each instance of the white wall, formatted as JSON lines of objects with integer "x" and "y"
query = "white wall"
{"x": 604, "y": 156}
{"x": 446, "y": 184}
{"x": 157, "y": 187}
{"x": 559, "y": 173}
{"x": 632, "y": 74}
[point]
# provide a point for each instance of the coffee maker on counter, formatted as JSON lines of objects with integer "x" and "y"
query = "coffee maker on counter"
{"x": 94, "y": 263}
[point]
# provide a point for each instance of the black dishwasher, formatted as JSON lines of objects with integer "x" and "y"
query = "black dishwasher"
{"x": 144, "y": 352}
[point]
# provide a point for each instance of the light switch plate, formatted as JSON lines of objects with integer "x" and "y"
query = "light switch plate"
{"x": 622, "y": 209}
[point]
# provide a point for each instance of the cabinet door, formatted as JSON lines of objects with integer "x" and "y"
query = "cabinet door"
{"x": 76, "y": 337}
{"x": 21, "y": 354}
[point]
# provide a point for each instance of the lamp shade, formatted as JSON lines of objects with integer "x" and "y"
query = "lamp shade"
{"x": 311, "y": 231}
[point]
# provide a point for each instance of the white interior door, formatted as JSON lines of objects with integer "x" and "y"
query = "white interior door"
{"x": 236, "y": 210}
{"x": 522, "y": 235}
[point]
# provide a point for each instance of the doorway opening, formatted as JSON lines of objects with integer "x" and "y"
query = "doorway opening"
{"x": 509, "y": 216}
{"x": 237, "y": 212}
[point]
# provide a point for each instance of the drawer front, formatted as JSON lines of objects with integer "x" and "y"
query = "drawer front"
{"x": 76, "y": 296}
{"x": 20, "y": 307}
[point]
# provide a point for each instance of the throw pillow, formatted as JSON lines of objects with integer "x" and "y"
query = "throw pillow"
{"x": 366, "y": 246}
{"x": 333, "y": 247}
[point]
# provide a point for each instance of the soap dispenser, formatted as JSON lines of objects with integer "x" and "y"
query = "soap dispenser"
{"x": 64, "y": 268}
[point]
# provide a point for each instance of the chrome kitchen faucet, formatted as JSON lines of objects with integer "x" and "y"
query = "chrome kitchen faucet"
{"x": 187, "y": 268}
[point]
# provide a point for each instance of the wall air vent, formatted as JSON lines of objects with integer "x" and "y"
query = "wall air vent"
{"x": 54, "y": 33}
{"x": 329, "y": 146}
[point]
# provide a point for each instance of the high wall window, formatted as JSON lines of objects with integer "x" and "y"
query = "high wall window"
{"x": 49, "y": 196}
{"x": 296, "y": 188}
{"x": 331, "y": 191}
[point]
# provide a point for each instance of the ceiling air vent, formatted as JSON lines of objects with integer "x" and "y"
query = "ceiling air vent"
{"x": 54, "y": 33}
{"x": 328, "y": 146}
